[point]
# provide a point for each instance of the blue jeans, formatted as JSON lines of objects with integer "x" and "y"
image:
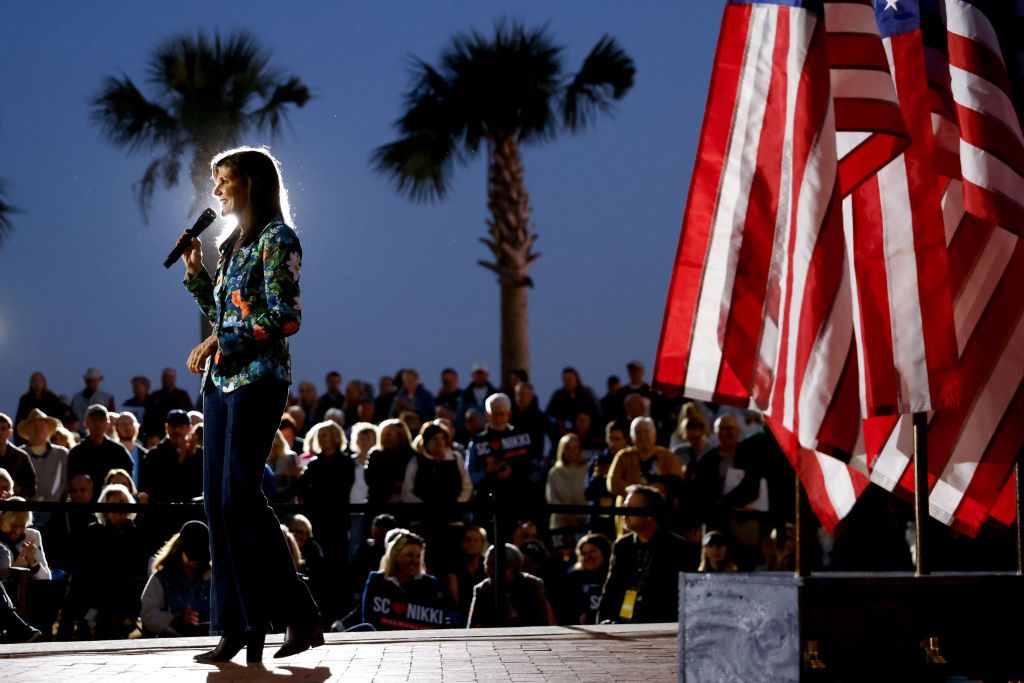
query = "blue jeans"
{"x": 254, "y": 585}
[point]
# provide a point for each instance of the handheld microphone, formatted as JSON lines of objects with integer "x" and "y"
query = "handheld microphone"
{"x": 202, "y": 223}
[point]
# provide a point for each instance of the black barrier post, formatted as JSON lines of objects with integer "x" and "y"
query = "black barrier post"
{"x": 922, "y": 567}
{"x": 1018, "y": 473}
{"x": 498, "y": 553}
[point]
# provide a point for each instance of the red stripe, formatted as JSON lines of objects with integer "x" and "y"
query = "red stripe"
{"x": 746, "y": 317}
{"x": 933, "y": 292}
{"x": 977, "y": 362}
{"x": 824, "y": 275}
{"x": 976, "y": 58}
{"x": 811, "y": 107}
{"x": 684, "y": 290}
{"x": 994, "y": 207}
{"x": 839, "y": 430}
{"x": 969, "y": 242}
{"x": 1005, "y": 509}
{"x": 873, "y": 294}
{"x": 866, "y": 159}
{"x": 806, "y": 465}
{"x": 856, "y": 51}
{"x": 995, "y": 468}
{"x": 859, "y": 114}
{"x": 992, "y": 135}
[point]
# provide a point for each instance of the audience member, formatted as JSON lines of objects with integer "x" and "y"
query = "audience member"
{"x": 16, "y": 461}
{"x": 307, "y": 401}
{"x": 476, "y": 393}
{"x": 299, "y": 418}
{"x": 385, "y": 471}
{"x": 402, "y": 595}
{"x": 385, "y": 398}
{"x": 283, "y": 464}
{"x": 450, "y": 394}
{"x": 331, "y": 398}
{"x": 173, "y": 471}
{"x": 611, "y": 403}
{"x": 112, "y": 573}
{"x": 98, "y": 454}
{"x": 467, "y": 571}
{"x": 313, "y": 560}
{"x": 528, "y": 417}
{"x": 499, "y": 455}
{"x": 91, "y": 395}
{"x": 176, "y": 599}
{"x": 714, "y": 554}
{"x": 525, "y": 603}
{"x": 413, "y": 396}
{"x": 14, "y": 628}
{"x": 159, "y": 403}
{"x": 49, "y": 461}
{"x": 24, "y": 543}
{"x": 643, "y": 578}
{"x": 586, "y": 580}
{"x": 126, "y": 426}
{"x": 566, "y": 483}
{"x": 364, "y": 439}
{"x": 39, "y": 397}
{"x": 644, "y": 462}
{"x": 596, "y": 489}
{"x": 570, "y": 400}
{"x": 136, "y": 405}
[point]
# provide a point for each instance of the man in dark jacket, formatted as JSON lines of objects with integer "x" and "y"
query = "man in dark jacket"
{"x": 643, "y": 579}
{"x": 98, "y": 453}
{"x": 162, "y": 401}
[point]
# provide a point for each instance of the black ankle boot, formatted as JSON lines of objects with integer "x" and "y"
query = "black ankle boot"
{"x": 299, "y": 638}
{"x": 254, "y": 647}
{"x": 226, "y": 649}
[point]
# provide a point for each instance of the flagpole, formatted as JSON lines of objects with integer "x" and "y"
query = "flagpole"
{"x": 921, "y": 492}
{"x": 1018, "y": 471}
{"x": 798, "y": 549}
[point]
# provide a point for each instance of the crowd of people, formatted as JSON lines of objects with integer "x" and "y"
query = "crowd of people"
{"x": 716, "y": 490}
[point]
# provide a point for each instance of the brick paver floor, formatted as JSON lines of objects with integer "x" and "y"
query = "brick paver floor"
{"x": 585, "y": 653}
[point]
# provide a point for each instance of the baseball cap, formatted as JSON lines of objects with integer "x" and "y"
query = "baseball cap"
{"x": 96, "y": 409}
{"x": 178, "y": 417}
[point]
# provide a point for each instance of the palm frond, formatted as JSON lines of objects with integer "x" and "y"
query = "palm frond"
{"x": 420, "y": 165}
{"x": 606, "y": 75}
{"x": 270, "y": 116}
{"x": 5, "y": 215}
{"x": 128, "y": 119}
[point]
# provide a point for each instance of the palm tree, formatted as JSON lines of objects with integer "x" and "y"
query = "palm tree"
{"x": 209, "y": 95}
{"x": 498, "y": 93}
{"x": 5, "y": 215}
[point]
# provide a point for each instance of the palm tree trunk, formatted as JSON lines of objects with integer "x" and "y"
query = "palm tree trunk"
{"x": 510, "y": 241}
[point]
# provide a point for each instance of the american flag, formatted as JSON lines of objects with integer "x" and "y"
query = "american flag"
{"x": 811, "y": 278}
{"x": 975, "y": 116}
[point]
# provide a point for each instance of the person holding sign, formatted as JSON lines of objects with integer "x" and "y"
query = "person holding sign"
{"x": 402, "y": 596}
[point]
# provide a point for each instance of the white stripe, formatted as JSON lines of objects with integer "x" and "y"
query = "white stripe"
{"x": 847, "y": 141}
{"x": 838, "y": 484}
{"x": 858, "y": 332}
{"x": 863, "y": 84}
{"x": 981, "y": 168}
{"x": 904, "y": 299}
{"x": 850, "y": 18}
{"x": 730, "y": 212}
{"x": 812, "y": 202}
{"x": 952, "y": 208}
{"x": 984, "y": 417}
{"x": 966, "y": 20}
{"x": 974, "y": 92}
{"x": 970, "y": 302}
{"x": 825, "y": 364}
{"x": 801, "y": 27}
{"x": 895, "y": 455}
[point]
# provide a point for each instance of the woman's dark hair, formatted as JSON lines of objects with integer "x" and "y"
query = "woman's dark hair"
{"x": 257, "y": 167}
{"x": 429, "y": 431}
{"x": 599, "y": 541}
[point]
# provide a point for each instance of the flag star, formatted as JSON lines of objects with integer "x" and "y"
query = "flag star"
{"x": 891, "y": 4}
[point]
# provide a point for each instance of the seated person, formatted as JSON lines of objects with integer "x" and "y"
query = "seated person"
{"x": 13, "y": 628}
{"x": 714, "y": 554}
{"x": 643, "y": 579}
{"x": 176, "y": 599}
{"x": 586, "y": 580}
{"x": 525, "y": 604}
{"x": 112, "y": 574}
{"x": 402, "y": 595}
{"x": 468, "y": 571}
{"x": 25, "y": 544}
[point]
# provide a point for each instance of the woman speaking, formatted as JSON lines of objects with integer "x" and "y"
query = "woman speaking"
{"x": 253, "y": 305}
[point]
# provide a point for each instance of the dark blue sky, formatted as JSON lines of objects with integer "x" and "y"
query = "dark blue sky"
{"x": 386, "y": 283}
